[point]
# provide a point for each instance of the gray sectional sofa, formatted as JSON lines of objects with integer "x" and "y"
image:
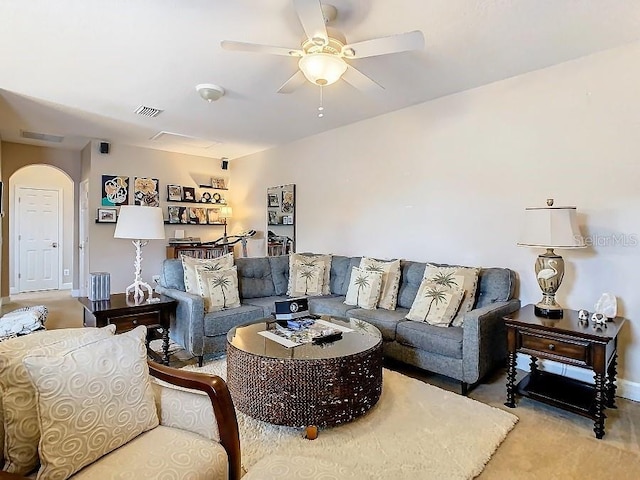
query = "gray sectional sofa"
{"x": 464, "y": 353}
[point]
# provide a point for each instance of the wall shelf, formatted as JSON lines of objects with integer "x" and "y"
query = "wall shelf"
{"x": 167, "y": 222}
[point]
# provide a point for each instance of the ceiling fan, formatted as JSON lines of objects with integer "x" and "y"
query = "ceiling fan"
{"x": 324, "y": 55}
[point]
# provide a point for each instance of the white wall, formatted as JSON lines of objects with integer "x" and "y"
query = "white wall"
{"x": 448, "y": 181}
{"x": 45, "y": 177}
{"x": 116, "y": 256}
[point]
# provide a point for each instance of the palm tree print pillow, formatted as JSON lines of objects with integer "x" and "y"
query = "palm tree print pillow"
{"x": 364, "y": 288}
{"x": 307, "y": 279}
{"x": 309, "y": 261}
{"x": 189, "y": 264}
{"x": 436, "y": 303}
{"x": 464, "y": 278}
{"x": 390, "y": 280}
{"x": 220, "y": 289}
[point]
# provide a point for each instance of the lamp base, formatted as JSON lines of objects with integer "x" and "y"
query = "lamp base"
{"x": 542, "y": 310}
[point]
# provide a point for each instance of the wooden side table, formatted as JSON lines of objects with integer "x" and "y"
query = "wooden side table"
{"x": 122, "y": 311}
{"x": 569, "y": 341}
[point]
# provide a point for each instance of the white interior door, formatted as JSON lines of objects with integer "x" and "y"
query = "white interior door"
{"x": 39, "y": 259}
{"x": 83, "y": 238}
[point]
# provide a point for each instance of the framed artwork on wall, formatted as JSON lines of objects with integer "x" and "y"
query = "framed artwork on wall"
{"x": 107, "y": 215}
{"x": 188, "y": 194}
{"x": 174, "y": 193}
{"x": 145, "y": 192}
{"x": 115, "y": 190}
{"x": 272, "y": 200}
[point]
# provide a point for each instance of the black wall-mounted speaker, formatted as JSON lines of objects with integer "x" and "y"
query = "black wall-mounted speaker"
{"x": 225, "y": 164}
{"x": 104, "y": 147}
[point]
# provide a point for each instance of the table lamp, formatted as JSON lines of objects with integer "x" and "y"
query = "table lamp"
{"x": 552, "y": 228}
{"x": 140, "y": 224}
{"x": 225, "y": 212}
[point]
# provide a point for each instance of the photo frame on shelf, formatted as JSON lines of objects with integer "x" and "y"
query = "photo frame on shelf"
{"x": 219, "y": 182}
{"x": 272, "y": 200}
{"x": 188, "y": 194}
{"x": 213, "y": 215}
{"x": 174, "y": 193}
{"x": 174, "y": 214}
{"x": 273, "y": 218}
{"x": 107, "y": 215}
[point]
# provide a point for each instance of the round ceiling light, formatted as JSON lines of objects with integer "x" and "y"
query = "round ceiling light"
{"x": 210, "y": 92}
{"x": 322, "y": 68}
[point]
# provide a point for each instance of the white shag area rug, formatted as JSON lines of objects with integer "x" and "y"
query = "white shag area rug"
{"x": 416, "y": 431}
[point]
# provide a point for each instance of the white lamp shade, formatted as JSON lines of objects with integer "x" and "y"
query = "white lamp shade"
{"x": 226, "y": 212}
{"x": 322, "y": 68}
{"x": 140, "y": 223}
{"x": 551, "y": 227}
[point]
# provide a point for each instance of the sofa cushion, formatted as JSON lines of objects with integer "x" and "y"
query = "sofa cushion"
{"x": 329, "y": 305}
{"x": 219, "y": 323}
{"x": 410, "y": 280}
{"x": 435, "y": 304}
{"x": 97, "y": 396}
{"x": 390, "y": 280}
{"x": 255, "y": 277}
{"x": 464, "y": 278}
{"x": 341, "y": 273}
{"x": 266, "y": 303}
{"x": 219, "y": 288}
{"x": 279, "y": 273}
{"x": 172, "y": 274}
{"x": 495, "y": 285}
{"x": 309, "y": 260}
{"x": 385, "y": 320}
{"x": 21, "y": 432}
{"x": 163, "y": 452}
{"x": 306, "y": 279}
{"x": 443, "y": 341}
{"x": 189, "y": 265}
{"x": 364, "y": 288}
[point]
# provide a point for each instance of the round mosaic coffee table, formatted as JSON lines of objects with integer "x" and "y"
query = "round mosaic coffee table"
{"x": 321, "y": 385}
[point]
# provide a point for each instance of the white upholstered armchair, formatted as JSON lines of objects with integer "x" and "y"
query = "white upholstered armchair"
{"x": 80, "y": 403}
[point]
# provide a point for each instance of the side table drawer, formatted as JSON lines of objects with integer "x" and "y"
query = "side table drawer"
{"x": 554, "y": 347}
{"x": 128, "y": 322}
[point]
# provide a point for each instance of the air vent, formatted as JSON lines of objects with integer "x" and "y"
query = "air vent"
{"x": 45, "y": 137}
{"x": 148, "y": 111}
{"x": 177, "y": 139}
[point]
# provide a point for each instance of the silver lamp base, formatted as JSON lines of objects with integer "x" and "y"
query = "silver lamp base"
{"x": 549, "y": 272}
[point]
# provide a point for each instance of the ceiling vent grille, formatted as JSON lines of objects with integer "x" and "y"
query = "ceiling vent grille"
{"x": 45, "y": 137}
{"x": 148, "y": 111}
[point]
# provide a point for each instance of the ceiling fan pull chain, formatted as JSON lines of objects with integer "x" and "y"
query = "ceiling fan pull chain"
{"x": 320, "y": 108}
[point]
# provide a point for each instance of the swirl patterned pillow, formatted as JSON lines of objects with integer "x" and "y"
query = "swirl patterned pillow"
{"x": 20, "y": 421}
{"x": 91, "y": 401}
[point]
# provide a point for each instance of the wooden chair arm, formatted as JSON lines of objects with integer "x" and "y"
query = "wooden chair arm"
{"x": 216, "y": 388}
{"x": 11, "y": 476}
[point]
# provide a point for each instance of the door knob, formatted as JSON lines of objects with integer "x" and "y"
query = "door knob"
{"x": 54, "y": 245}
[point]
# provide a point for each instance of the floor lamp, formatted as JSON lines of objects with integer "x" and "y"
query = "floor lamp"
{"x": 140, "y": 224}
{"x": 551, "y": 228}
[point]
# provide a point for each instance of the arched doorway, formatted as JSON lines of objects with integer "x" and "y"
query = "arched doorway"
{"x": 41, "y": 229}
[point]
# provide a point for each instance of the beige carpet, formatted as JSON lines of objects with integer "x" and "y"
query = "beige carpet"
{"x": 416, "y": 431}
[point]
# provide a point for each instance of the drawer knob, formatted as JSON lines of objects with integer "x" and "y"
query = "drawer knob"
{"x": 552, "y": 346}
{"x": 135, "y": 322}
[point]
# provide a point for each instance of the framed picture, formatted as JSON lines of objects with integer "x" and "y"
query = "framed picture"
{"x": 219, "y": 182}
{"x": 213, "y": 215}
{"x": 174, "y": 193}
{"x": 107, "y": 215}
{"x": 287, "y": 201}
{"x": 272, "y": 200}
{"x": 273, "y": 218}
{"x": 188, "y": 194}
{"x": 115, "y": 190}
{"x": 145, "y": 192}
{"x": 174, "y": 214}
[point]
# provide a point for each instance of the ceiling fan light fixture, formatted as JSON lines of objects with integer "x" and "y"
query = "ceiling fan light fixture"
{"x": 210, "y": 92}
{"x": 322, "y": 68}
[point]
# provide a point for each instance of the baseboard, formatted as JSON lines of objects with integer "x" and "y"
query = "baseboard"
{"x": 13, "y": 291}
{"x": 626, "y": 389}
{"x": 66, "y": 286}
{"x": 75, "y": 293}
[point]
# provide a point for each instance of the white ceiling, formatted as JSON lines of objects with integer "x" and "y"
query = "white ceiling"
{"x": 79, "y": 68}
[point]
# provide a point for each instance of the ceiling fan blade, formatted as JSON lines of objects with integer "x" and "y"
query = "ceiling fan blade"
{"x": 293, "y": 83}
{"x": 356, "y": 78}
{"x": 401, "y": 42}
{"x": 257, "y": 48}
{"x": 312, "y": 19}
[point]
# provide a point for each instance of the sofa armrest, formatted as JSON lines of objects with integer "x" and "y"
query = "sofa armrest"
{"x": 188, "y": 328}
{"x": 219, "y": 400}
{"x": 484, "y": 339}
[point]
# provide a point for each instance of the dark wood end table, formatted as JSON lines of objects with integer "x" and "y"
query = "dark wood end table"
{"x": 570, "y": 341}
{"x": 125, "y": 313}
